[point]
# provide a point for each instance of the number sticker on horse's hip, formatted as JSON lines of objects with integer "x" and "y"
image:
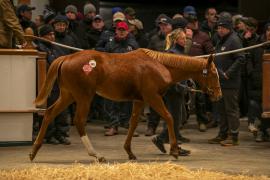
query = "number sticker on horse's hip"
{"x": 87, "y": 68}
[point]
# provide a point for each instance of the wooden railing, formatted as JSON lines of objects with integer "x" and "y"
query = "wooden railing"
{"x": 266, "y": 86}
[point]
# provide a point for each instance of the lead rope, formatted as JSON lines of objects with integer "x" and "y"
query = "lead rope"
{"x": 184, "y": 86}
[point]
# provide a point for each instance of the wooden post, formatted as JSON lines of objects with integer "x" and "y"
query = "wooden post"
{"x": 266, "y": 86}
{"x": 41, "y": 71}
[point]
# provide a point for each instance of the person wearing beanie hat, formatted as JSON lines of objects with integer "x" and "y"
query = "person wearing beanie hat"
{"x": 57, "y": 129}
{"x": 71, "y": 14}
{"x": 71, "y": 8}
{"x": 62, "y": 35}
{"x": 60, "y": 18}
{"x": 46, "y": 29}
{"x": 89, "y": 10}
{"x": 229, "y": 70}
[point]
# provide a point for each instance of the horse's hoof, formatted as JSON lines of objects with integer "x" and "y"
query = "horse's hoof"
{"x": 31, "y": 156}
{"x": 101, "y": 159}
{"x": 174, "y": 154}
{"x": 132, "y": 157}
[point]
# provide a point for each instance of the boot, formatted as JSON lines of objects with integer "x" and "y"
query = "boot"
{"x": 111, "y": 131}
{"x": 183, "y": 152}
{"x": 259, "y": 137}
{"x": 230, "y": 141}
{"x": 63, "y": 140}
{"x": 217, "y": 139}
{"x": 159, "y": 144}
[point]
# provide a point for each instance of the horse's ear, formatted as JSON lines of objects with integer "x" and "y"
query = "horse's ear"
{"x": 210, "y": 60}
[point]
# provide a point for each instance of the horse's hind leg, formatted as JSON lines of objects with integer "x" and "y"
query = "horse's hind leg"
{"x": 158, "y": 105}
{"x": 61, "y": 103}
{"x": 82, "y": 109}
{"x": 133, "y": 122}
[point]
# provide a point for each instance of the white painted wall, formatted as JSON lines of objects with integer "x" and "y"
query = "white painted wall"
{"x": 40, "y": 5}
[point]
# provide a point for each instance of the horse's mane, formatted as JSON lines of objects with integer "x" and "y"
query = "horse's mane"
{"x": 176, "y": 60}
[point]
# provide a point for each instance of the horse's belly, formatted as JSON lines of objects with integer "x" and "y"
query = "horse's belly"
{"x": 119, "y": 93}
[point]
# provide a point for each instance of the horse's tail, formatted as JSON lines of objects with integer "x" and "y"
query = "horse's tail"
{"x": 49, "y": 82}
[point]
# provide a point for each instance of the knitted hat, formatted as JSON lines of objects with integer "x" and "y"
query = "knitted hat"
{"x": 45, "y": 29}
{"x": 60, "y": 18}
{"x": 71, "y": 8}
{"x": 88, "y": 8}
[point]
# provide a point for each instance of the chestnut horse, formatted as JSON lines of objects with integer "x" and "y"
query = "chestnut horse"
{"x": 141, "y": 76}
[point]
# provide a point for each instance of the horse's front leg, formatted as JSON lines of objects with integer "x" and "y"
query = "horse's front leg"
{"x": 133, "y": 122}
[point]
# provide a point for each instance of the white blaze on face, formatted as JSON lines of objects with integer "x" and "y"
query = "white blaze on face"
{"x": 88, "y": 145}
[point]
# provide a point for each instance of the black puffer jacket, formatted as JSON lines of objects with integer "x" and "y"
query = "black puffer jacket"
{"x": 92, "y": 36}
{"x": 231, "y": 63}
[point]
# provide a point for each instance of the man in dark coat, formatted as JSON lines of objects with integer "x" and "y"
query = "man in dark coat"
{"x": 57, "y": 129}
{"x": 228, "y": 67}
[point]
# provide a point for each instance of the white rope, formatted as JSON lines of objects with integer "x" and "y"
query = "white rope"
{"x": 236, "y": 50}
{"x": 54, "y": 43}
{"x": 202, "y": 56}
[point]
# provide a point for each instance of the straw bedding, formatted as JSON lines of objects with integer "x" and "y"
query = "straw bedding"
{"x": 127, "y": 171}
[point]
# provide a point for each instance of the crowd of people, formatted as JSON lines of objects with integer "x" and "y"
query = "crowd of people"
{"x": 240, "y": 73}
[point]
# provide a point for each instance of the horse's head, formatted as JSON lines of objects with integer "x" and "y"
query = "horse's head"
{"x": 209, "y": 80}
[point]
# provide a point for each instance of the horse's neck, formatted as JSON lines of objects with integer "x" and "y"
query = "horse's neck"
{"x": 189, "y": 69}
